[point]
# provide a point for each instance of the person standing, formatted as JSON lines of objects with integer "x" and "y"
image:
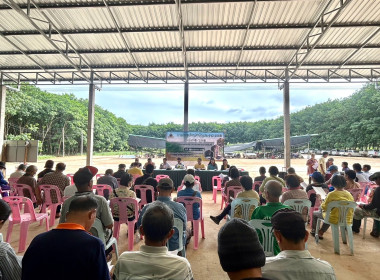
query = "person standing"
{"x": 322, "y": 164}
{"x": 312, "y": 166}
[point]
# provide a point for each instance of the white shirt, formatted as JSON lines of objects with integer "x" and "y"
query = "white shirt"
{"x": 361, "y": 177}
{"x": 152, "y": 263}
{"x": 70, "y": 191}
{"x": 165, "y": 165}
{"x": 17, "y": 174}
{"x": 297, "y": 265}
{"x": 367, "y": 175}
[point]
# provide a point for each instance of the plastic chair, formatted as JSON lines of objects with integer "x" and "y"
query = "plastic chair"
{"x": 97, "y": 230}
{"x": 245, "y": 204}
{"x": 178, "y": 224}
{"x": 256, "y": 186}
{"x": 366, "y": 190}
{"x": 188, "y": 202}
{"x": 98, "y": 176}
{"x": 316, "y": 206}
{"x": 24, "y": 219}
{"x": 216, "y": 186}
{"x": 226, "y": 195}
{"x": 365, "y": 224}
{"x": 143, "y": 190}
{"x": 343, "y": 208}
{"x": 356, "y": 193}
{"x": 12, "y": 182}
{"x": 196, "y": 177}
{"x": 161, "y": 176}
{"x": 264, "y": 227}
{"x": 134, "y": 176}
{"x": 123, "y": 203}
{"x": 299, "y": 205}
{"x": 101, "y": 188}
{"x": 21, "y": 189}
{"x": 48, "y": 202}
{"x": 71, "y": 176}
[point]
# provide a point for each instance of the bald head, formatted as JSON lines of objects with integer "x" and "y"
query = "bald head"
{"x": 273, "y": 190}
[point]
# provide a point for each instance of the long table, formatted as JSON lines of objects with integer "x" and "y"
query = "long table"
{"x": 205, "y": 175}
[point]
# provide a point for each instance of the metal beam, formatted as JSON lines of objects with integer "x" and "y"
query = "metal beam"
{"x": 313, "y": 38}
{"x": 3, "y": 95}
{"x": 188, "y": 28}
{"x": 182, "y": 37}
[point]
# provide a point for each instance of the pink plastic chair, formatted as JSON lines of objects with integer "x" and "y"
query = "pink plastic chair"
{"x": 29, "y": 216}
{"x": 143, "y": 196}
{"x": 161, "y": 176}
{"x": 196, "y": 177}
{"x": 12, "y": 182}
{"x": 256, "y": 186}
{"x": 135, "y": 176}
{"x": 356, "y": 193}
{"x": 71, "y": 176}
{"x": 216, "y": 186}
{"x": 100, "y": 189}
{"x": 188, "y": 201}
{"x": 365, "y": 186}
{"x": 122, "y": 203}
{"x": 98, "y": 176}
{"x": 48, "y": 202}
{"x": 226, "y": 196}
{"x": 316, "y": 206}
{"x": 26, "y": 191}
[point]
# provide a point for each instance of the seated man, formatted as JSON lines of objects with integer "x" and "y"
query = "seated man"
{"x": 83, "y": 182}
{"x": 262, "y": 176}
{"x": 272, "y": 191}
{"x": 149, "y": 162}
{"x": 366, "y": 173}
{"x": 295, "y": 192}
{"x": 333, "y": 171}
{"x": 294, "y": 261}
{"x": 49, "y": 164}
{"x": 240, "y": 252}
{"x": 189, "y": 182}
{"x": 369, "y": 210}
{"x": 19, "y": 172}
{"x": 273, "y": 172}
{"x": 10, "y": 264}
{"x": 69, "y": 251}
{"x": 338, "y": 182}
{"x": 292, "y": 171}
{"x": 197, "y": 184}
{"x": 136, "y": 162}
{"x": 179, "y": 164}
{"x": 147, "y": 179}
{"x": 165, "y": 164}
{"x": 108, "y": 179}
{"x": 199, "y": 165}
{"x": 153, "y": 260}
{"x": 120, "y": 172}
{"x": 165, "y": 189}
{"x": 135, "y": 170}
{"x": 357, "y": 167}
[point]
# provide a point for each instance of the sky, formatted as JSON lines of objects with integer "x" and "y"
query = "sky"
{"x": 144, "y": 104}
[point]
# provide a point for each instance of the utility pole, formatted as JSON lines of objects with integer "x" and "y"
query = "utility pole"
{"x": 63, "y": 141}
{"x": 81, "y": 142}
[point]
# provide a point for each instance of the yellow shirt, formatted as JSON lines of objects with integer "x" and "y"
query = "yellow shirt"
{"x": 322, "y": 161}
{"x": 337, "y": 196}
{"x": 135, "y": 171}
{"x": 199, "y": 166}
{"x": 275, "y": 178}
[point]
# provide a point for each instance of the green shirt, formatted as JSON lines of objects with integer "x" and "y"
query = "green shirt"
{"x": 265, "y": 212}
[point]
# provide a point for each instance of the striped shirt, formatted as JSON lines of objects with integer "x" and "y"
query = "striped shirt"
{"x": 10, "y": 264}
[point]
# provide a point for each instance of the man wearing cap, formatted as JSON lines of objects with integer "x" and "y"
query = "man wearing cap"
{"x": 189, "y": 182}
{"x": 83, "y": 182}
{"x": 333, "y": 170}
{"x": 240, "y": 252}
{"x": 179, "y": 164}
{"x": 369, "y": 210}
{"x": 165, "y": 189}
{"x": 68, "y": 251}
{"x": 294, "y": 261}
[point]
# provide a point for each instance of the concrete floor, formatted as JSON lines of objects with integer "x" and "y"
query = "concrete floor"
{"x": 205, "y": 262}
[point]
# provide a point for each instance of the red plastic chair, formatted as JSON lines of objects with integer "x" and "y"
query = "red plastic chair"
{"x": 48, "y": 201}
{"x": 366, "y": 188}
{"x": 26, "y": 191}
{"x": 24, "y": 219}
{"x": 356, "y": 193}
{"x": 216, "y": 186}
{"x": 188, "y": 201}
{"x": 161, "y": 176}
{"x": 122, "y": 203}
{"x": 143, "y": 196}
{"x": 226, "y": 196}
{"x": 71, "y": 176}
{"x": 100, "y": 189}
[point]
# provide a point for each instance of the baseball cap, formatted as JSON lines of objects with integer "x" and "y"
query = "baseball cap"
{"x": 165, "y": 183}
{"x": 84, "y": 175}
{"x": 332, "y": 167}
{"x": 189, "y": 178}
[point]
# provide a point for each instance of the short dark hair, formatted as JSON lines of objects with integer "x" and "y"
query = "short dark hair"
{"x": 325, "y": 153}
{"x": 125, "y": 179}
{"x": 357, "y": 167}
{"x": 234, "y": 173}
{"x": 273, "y": 170}
{"x": 338, "y": 181}
{"x": 157, "y": 221}
{"x": 109, "y": 172}
{"x": 345, "y": 163}
{"x": 30, "y": 169}
{"x": 164, "y": 158}
{"x": 290, "y": 224}
{"x": 262, "y": 170}
{"x": 5, "y": 210}
{"x": 367, "y": 166}
{"x": 350, "y": 174}
{"x": 49, "y": 164}
{"x": 246, "y": 182}
{"x": 149, "y": 168}
{"x": 190, "y": 171}
{"x": 224, "y": 159}
{"x": 291, "y": 170}
{"x": 21, "y": 167}
{"x": 60, "y": 166}
{"x": 199, "y": 158}
{"x": 292, "y": 181}
{"x": 83, "y": 203}
{"x": 149, "y": 158}
{"x": 122, "y": 166}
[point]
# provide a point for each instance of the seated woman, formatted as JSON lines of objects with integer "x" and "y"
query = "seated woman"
{"x": 233, "y": 176}
{"x": 123, "y": 190}
{"x": 28, "y": 179}
{"x": 225, "y": 165}
{"x": 189, "y": 181}
{"x": 248, "y": 192}
{"x": 350, "y": 176}
{"x": 212, "y": 165}
{"x": 10, "y": 265}
{"x": 317, "y": 181}
{"x": 197, "y": 184}
{"x": 339, "y": 194}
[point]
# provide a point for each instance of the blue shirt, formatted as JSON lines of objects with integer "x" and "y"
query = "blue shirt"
{"x": 3, "y": 182}
{"x": 179, "y": 212}
{"x": 190, "y": 192}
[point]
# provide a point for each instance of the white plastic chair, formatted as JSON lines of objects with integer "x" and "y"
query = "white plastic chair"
{"x": 365, "y": 224}
{"x": 265, "y": 229}
{"x": 299, "y": 205}
{"x": 245, "y": 204}
{"x": 97, "y": 230}
{"x": 343, "y": 208}
{"x": 178, "y": 224}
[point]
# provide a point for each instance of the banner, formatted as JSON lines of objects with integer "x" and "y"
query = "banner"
{"x": 192, "y": 145}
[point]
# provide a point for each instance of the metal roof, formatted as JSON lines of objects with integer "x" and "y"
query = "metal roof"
{"x": 171, "y": 41}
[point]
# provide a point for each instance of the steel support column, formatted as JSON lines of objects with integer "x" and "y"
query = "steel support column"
{"x": 186, "y": 108}
{"x": 287, "y": 154}
{"x": 90, "y": 125}
{"x": 3, "y": 95}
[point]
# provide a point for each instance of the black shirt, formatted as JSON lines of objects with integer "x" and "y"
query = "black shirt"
{"x": 44, "y": 172}
{"x": 118, "y": 174}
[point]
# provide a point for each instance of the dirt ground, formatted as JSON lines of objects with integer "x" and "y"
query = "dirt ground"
{"x": 205, "y": 261}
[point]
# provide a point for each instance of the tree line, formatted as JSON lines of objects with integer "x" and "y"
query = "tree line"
{"x": 33, "y": 114}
